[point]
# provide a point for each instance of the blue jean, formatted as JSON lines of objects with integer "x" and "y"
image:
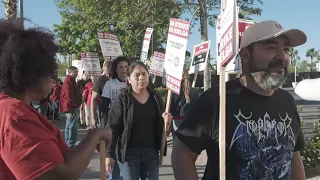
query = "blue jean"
{"x": 98, "y": 117}
{"x": 115, "y": 172}
{"x": 71, "y": 128}
{"x": 55, "y": 109}
{"x": 140, "y": 163}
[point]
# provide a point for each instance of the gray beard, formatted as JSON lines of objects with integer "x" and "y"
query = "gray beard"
{"x": 267, "y": 81}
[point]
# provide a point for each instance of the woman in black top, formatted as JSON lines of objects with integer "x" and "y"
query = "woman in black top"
{"x": 136, "y": 121}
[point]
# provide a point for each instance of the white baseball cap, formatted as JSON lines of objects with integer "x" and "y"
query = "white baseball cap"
{"x": 266, "y": 30}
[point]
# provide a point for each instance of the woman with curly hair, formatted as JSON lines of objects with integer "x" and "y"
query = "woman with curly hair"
{"x": 30, "y": 146}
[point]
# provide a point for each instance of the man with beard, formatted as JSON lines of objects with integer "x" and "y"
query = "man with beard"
{"x": 263, "y": 132}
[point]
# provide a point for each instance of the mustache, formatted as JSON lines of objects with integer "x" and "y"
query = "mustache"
{"x": 277, "y": 63}
{"x": 272, "y": 64}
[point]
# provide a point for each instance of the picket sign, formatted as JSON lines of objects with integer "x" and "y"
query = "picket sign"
{"x": 227, "y": 50}
{"x": 199, "y": 59}
{"x": 156, "y": 67}
{"x": 178, "y": 36}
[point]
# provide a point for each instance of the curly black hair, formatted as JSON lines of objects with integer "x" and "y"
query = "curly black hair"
{"x": 26, "y": 56}
{"x": 115, "y": 63}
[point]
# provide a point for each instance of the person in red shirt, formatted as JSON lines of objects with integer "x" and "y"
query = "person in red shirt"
{"x": 86, "y": 98}
{"x": 30, "y": 146}
{"x": 70, "y": 102}
{"x": 55, "y": 97}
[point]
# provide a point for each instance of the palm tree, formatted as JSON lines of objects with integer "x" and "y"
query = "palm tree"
{"x": 10, "y": 9}
{"x": 294, "y": 55}
{"x": 312, "y": 53}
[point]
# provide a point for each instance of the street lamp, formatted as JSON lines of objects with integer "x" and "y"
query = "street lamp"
{"x": 21, "y": 12}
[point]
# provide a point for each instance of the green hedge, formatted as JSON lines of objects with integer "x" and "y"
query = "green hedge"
{"x": 311, "y": 152}
{"x": 163, "y": 92}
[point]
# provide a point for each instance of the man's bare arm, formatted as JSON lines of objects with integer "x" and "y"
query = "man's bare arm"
{"x": 297, "y": 169}
{"x": 94, "y": 104}
{"x": 183, "y": 162}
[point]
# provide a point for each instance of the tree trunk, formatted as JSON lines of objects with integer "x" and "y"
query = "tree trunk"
{"x": 10, "y": 9}
{"x": 311, "y": 65}
{"x": 204, "y": 37}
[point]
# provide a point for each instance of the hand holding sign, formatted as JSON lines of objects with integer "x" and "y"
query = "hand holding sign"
{"x": 167, "y": 117}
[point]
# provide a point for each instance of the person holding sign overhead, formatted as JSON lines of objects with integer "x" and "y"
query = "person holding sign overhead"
{"x": 263, "y": 131}
{"x": 136, "y": 119}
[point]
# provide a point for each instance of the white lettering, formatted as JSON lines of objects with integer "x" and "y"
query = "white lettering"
{"x": 179, "y": 32}
{"x": 173, "y": 80}
{"x": 172, "y": 87}
{"x": 227, "y": 50}
{"x": 226, "y": 38}
{"x": 182, "y": 26}
{"x": 264, "y": 128}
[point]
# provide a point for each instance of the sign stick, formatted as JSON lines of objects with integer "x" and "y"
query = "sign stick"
{"x": 102, "y": 156}
{"x": 222, "y": 123}
{"x": 165, "y": 127}
{"x": 194, "y": 79}
{"x": 154, "y": 79}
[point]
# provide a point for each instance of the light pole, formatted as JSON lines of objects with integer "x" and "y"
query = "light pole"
{"x": 295, "y": 69}
{"x": 21, "y": 12}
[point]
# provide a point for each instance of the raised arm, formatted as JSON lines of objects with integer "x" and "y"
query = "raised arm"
{"x": 193, "y": 136}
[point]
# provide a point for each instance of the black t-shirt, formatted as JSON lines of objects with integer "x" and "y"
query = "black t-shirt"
{"x": 261, "y": 133}
{"x": 145, "y": 118}
{"x": 99, "y": 84}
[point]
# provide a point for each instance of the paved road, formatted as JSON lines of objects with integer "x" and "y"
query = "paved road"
{"x": 310, "y": 113}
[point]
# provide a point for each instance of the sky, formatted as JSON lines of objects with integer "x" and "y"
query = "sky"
{"x": 289, "y": 13}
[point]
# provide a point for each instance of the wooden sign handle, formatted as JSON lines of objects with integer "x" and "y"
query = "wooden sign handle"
{"x": 165, "y": 127}
{"x": 102, "y": 143}
{"x": 102, "y": 160}
{"x": 222, "y": 124}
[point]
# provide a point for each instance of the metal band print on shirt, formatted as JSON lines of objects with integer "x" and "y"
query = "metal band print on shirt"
{"x": 264, "y": 145}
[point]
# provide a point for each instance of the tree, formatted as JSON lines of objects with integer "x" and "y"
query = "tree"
{"x": 304, "y": 66}
{"x": 312, "y": 53}
{"x": 187, "y": 61}
{"x": 294, "y": 58}
{"x": 81, "y": 19}
{"x": 208, "y": 13}
{"x": 62, "y": 67}
{"x": 294, "y": 55}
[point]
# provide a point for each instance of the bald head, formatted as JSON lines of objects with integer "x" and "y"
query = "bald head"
{"x": 73, "y": 71}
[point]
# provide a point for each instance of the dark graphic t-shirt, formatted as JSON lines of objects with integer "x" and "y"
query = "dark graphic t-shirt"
{"x": 262, "y": 133}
